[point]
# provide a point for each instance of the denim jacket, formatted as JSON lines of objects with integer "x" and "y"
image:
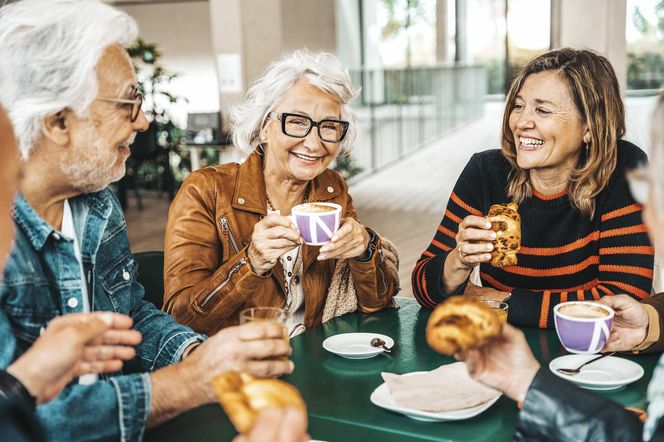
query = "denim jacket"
{"x": 43, "y": 280}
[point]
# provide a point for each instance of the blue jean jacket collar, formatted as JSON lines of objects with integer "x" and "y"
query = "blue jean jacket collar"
{"x": 38, "y": 231}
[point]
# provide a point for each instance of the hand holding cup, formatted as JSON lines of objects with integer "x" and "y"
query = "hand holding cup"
{"x": 630, "y": 323}
{"x": 273, "y": 236}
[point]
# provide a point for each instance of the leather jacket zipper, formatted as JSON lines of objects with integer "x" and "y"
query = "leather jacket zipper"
{"x": 225, "y": 282}
{"x": 226, "y": 229}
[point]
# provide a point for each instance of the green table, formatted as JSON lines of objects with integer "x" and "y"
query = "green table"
{"x": 337, "y": 390}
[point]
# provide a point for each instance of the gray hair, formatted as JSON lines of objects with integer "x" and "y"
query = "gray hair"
{"x": 48, "y": 52}
{"x": 656, "y": 166}
{"x": 321, "y": 70}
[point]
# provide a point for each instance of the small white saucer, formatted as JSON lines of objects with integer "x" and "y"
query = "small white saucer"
{"x": 609, "y": 373}
{"x": 382, "y": 397}
{"x": 356, "y": 345}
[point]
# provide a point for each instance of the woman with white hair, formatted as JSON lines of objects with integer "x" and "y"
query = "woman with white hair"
{"x": 554, "y": 409}
{"x": 229, "y": 243}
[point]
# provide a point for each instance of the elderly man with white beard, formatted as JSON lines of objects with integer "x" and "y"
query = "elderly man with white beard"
{"x": 71, "y": 93}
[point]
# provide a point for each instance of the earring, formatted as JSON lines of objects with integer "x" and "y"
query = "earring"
{"x": 587, "y": 147}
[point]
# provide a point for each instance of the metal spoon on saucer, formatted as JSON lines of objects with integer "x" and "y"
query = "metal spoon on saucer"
{"x": 577, "y": 370}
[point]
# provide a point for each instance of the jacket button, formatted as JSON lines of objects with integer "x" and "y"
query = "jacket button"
{"x": 125, "y": 275}
{"x": 296, "y": 280}
{"x": 240, "y": 200}
{"x": 330, "y": 189}
{"x": 56, "y": 236}
{"x": 72, "y": 302}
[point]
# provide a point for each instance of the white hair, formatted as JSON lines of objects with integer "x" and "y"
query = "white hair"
{"x": 656, "y": 166}
{"x": 48, "y": 52}
{"x": 321, "y": 70}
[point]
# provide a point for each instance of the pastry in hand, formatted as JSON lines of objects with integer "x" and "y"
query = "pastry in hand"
{"x": 459, "y": 324}
{"x": 506, "y": 222}
{"x": 243, "y": 397}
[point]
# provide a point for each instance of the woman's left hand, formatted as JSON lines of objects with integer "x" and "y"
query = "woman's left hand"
{"x": 349, "y": 241}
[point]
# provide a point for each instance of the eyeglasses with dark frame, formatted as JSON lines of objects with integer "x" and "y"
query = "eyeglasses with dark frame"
{"x": 299, "y": 126}
{"x": 136, "y": 104}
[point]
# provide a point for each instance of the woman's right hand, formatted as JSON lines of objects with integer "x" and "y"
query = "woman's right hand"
{"x": 273, "y": 236}
{"x": 474, "y": 242}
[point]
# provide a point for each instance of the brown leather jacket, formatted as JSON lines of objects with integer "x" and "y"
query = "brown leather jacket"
{"x": 207, "y": 276}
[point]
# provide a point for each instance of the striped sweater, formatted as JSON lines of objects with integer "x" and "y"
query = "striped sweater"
{"x": 564, "y": 256}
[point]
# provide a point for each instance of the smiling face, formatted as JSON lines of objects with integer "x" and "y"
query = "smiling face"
{"x": 100, "y": 141}
{"x": 300, "y": 159}
{"x": 546, "y": 126}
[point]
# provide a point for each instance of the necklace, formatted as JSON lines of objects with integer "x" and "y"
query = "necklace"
{"x": 293, "y": 267}
{"x": 305, "y": 198}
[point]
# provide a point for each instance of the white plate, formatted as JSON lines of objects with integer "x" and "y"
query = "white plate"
{"x": 609, "y": 373}
{"x": 382, "y": 397}
{"x": 356, "y": 345}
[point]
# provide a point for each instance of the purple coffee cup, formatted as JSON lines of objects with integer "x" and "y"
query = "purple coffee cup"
{"x": 582, "y": 335}
{"x": 316, "y": 227}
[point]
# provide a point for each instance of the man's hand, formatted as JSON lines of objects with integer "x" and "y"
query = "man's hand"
{"x": 260, "y": 349}
{"x": 73, "y": 345}
{"x": 506, "y": 363}
{"x": 278, "y": 425}
{"x": 630, "y": 323}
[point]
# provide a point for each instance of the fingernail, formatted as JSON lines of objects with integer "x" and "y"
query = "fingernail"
{"x": 493, "y": 235}
{"x": 292, "y": 366}
{"x": 487, "y": 225}
{"x": 489, "y": 246}
{"x": 321, "y": 257}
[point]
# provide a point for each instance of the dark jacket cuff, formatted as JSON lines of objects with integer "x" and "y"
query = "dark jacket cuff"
{"x": 555, "y": 409}
{"x": 12, "y": 389}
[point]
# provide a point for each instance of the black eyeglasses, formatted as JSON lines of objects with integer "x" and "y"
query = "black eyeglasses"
{"x": 299, "y": 126}
{"x": 136, "y": 104}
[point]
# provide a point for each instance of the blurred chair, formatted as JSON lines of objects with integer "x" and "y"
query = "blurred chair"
{"x": 151, "y": 275}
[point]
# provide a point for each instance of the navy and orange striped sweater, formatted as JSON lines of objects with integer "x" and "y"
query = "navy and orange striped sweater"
{"x": 564, "y": 255}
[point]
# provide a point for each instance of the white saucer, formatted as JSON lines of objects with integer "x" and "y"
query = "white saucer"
{"x": 609, "y": 373}
{"x": 382, "y": 397}
{"x": 356, "y": 345}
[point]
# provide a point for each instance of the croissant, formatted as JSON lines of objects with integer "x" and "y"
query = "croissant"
{"x": 460, "y": 324}
{"x": 243, "y": 397}
{"x": 506, "y": 222}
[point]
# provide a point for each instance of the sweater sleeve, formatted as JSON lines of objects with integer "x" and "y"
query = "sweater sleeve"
{"x": 624, "y": 264}
{"x": 466, "y": 199}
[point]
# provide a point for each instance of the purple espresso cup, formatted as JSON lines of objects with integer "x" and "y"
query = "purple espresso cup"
{"x": 316, "y": 222}
{"x": 583, "y": 327}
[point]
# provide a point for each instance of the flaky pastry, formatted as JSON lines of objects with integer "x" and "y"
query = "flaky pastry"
{"x": 243, "y": 397}
{"x": 506, "y": 222}
{"x": 459, "y": 324}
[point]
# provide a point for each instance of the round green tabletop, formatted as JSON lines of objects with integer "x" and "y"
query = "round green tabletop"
{"x": 337, "y": 390}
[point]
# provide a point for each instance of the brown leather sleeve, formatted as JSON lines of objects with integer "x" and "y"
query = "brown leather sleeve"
{"x": 374, "y": 283}
{"x": 198, "y": 291}
{"x": 657, "y": 302}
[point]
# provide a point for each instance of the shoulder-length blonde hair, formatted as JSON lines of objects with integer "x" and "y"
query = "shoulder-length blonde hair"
{"x": 594, "y": 89}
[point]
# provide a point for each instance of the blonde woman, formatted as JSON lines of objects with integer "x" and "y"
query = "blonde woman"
{"x": 563, "y": 161}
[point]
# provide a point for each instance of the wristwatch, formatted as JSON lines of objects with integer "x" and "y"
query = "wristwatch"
{"x": 371, "y": 247}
